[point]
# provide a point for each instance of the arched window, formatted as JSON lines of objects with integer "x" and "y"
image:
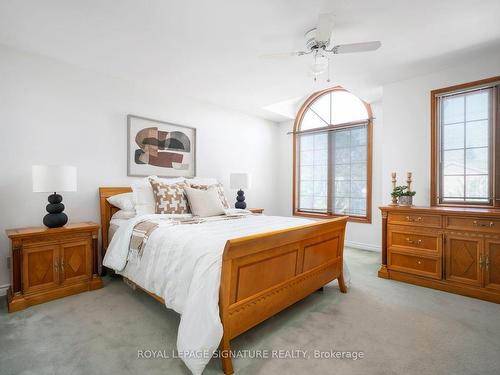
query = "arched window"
{"x": 333, "y": 156}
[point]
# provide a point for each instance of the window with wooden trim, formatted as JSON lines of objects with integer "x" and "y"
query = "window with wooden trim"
{"x": 466, "y": 145}
{"x": 333, "y": 156}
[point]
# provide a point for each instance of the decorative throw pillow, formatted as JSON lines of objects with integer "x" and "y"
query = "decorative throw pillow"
{"x": 124, "y": 201}
{"x": 169, "y": 198}
{"x": 218, "y": 187}
{"x": 143, "y": 193}
{"x": 204, "y": 202}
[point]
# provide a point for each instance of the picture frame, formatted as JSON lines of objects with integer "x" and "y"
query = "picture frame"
{"x": 160, "y": 148}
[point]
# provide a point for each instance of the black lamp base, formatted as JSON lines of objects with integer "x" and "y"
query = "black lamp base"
{"x": 56, "y": 217}
{"x": 240, "y": 200}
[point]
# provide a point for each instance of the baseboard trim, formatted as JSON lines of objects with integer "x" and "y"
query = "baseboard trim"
{"x": 362, "y": 246}
{"x": 3, "y": 289}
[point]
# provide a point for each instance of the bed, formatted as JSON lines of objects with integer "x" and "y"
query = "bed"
{"x": 263, "y": 273}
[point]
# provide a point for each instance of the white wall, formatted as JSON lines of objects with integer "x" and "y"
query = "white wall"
{"x": 366, "y": 236}
{"x": 406, "y": 130}
{"x": 52, "y": 113}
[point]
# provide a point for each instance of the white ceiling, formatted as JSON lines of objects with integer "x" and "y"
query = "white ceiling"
{"x": 209, "y": 49}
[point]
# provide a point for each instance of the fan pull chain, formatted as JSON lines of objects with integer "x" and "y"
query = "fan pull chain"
{"x": 329, "y": 71}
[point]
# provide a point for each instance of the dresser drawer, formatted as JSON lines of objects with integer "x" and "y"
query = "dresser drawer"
{"x": 415, "y": 240}
{"x": 414, "y": 264}
{"x": 433, "y": 221}
{"x": 473, "y": 224}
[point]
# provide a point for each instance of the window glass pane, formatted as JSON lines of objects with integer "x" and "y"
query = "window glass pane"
{"x": 306, "y": 202}
{"x": 322, "y": 107}
{"x": 346, "y": 107}
{"x": 342, "y": 138}
{"x": 350, "y": 171}
{"x": 342, "y": 155}
{"x": 358, "y": 136}
{"x": 358, "y": 153}
{"x": 358, "y": 189}
{"x": 358, "y": 207}
{"x": 477, "y": 161}
{"x": 311, "y": 120}
{"x": 320, "y": 157}
{"x": 319, "y": 203}
{"x": 320, "y": 188}
{"x": 306, "y": 187}
{"x": 358, "y": 171}
{"x": 476, "y": 186}
{"x": 453, "y": 109}
{"x": 477, "y": 134}
{"x": 306, "y": 158}
{"x": 342, "y": 188}
{"x": 453, "y": 136}
{"x": 477, "y": 106}
{"x": 306, "y": 173}
{"x": 321, "y": 141}
{"x": 306, "y": 142}
{"x": 466, "y": 152}
{"x": 453, "y": 187}
{"x": 453, "y": 162}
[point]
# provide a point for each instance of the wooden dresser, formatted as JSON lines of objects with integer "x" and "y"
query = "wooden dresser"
{"x": 452, "y": 249}
{"x": 50, "y": 263}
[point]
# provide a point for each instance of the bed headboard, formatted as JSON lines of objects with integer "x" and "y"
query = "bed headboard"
{"x": 107, "y": 210}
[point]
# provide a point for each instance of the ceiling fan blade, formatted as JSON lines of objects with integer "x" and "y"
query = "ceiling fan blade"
{"x": 324, "y": 27}
{"x": 282, "y": 54}
{"x": 357, "y": 47}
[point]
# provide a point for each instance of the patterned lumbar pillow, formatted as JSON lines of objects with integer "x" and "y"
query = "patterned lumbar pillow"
{"x": 170, "y": 198}
{"x": 218, "y": 187}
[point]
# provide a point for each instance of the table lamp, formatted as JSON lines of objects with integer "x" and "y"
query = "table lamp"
{"x": 239, "y": 181}
{"x": 54, "y": 178}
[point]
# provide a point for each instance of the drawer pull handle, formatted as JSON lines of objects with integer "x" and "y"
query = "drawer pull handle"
{"x": 419, "y": 262}
{"x": 417, "y": 242}
{"x": 411, "y": 218}
{"x": 491, "y": 224}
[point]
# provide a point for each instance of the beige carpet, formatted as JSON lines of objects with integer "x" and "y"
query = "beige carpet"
{"x": 400, "y": 328}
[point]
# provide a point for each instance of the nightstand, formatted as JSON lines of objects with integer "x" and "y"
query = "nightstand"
{"x": 256, "y": 210}
{"x": 50, "y": 263}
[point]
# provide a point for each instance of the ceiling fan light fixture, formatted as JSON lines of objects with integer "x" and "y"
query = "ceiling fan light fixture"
{"x": 319, "y": 65}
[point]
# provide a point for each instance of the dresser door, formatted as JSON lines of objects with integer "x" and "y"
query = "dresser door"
{"x": 75, "y": 261}
{"x": 463, "y": 256}
{"x": 492, "y": 265}
{"x": 40, "y": 267}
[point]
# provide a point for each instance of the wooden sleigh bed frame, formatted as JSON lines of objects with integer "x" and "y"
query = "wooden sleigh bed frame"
{"x": 264, "y": 273}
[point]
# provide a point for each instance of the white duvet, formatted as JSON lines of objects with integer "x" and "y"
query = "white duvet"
{"x": 182, "y": 264}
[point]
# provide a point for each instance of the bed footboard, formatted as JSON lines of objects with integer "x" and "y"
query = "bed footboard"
{"x": 265, "y": 273}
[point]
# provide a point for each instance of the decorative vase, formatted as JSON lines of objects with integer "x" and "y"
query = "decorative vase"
{"x": 406, "y": 200}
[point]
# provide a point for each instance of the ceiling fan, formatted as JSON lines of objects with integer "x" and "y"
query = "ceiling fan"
{"x": 318, "y": 44}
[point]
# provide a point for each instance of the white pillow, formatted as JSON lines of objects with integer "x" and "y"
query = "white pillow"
{"x": 202, "y": 181}
{"x": 143, "y": 194}
{"x": 122, "y": 214}
{"x": 124, "y": 201}
{"x": 204, "y": 202}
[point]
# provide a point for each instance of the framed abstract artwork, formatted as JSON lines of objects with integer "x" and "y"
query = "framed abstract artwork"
{"x": 160, "y": 148}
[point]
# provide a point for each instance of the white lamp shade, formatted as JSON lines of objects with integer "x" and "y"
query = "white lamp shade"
{"x": 53, "y": 178}
{"x": 239, "y": 181}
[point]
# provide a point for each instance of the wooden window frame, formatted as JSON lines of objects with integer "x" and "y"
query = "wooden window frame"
{"x": 494, "y": 171}
{"x": 296, "y": 129}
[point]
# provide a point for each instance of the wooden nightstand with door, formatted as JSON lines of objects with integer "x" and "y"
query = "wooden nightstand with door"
{"x": 50, "y": 263}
